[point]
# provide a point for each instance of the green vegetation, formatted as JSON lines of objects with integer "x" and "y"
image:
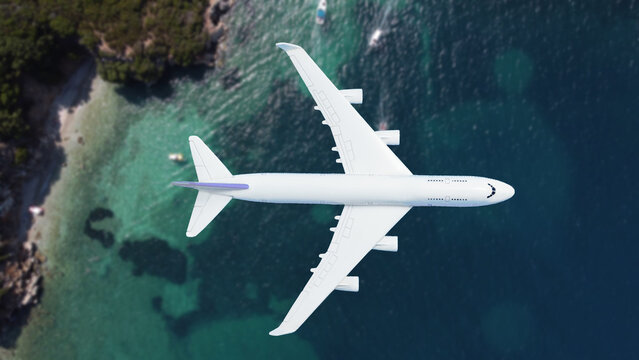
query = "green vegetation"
{"x": 20, "y": 155}
{"x": 23, "y": 42}
{"x": 135, "y": 39}
{"x": 4, "y": 291}
{"x": 4, "y": 255}
{"x": 131, "y": 40}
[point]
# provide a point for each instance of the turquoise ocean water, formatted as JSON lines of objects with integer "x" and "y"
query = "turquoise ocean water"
{"x": 539, "y": 94}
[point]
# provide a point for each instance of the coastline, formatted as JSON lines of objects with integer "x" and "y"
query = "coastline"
{"x": 23, "y": 273}
{"x": 73, "y": 95}
{"x": 61, "y": 126}
{"x": 76, "y": 94}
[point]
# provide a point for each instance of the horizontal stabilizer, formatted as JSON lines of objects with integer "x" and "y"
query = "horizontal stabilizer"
{"x": 207, "y": 165}
{"x": 207, "y": 206}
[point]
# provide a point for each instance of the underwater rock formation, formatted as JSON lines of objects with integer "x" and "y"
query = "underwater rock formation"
{"x": 155, "y": 257}
{"x": 105, "y": 238}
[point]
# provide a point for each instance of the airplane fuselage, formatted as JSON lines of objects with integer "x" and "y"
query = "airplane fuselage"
{"x": 342, "y": 189}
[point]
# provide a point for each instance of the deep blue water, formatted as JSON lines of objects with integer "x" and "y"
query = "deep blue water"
{"x": 550, "y": 273}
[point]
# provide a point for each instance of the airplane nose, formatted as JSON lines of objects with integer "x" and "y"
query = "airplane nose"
{"x": 509, "y": 191}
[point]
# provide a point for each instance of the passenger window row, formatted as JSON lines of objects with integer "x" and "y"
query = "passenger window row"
{"x": 442, "y": 180}
{"x": 442, "y": 199}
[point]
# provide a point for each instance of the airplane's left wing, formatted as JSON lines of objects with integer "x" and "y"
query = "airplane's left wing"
{"x": 361, "y": 151}
{"x": 360, "y": 229}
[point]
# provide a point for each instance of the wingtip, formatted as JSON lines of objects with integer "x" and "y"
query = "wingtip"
{"x": 286, "y": 46}
{"x": 194, "y": 138}
{"x": 279, "y": 332}
{"x": 284, "y": 329}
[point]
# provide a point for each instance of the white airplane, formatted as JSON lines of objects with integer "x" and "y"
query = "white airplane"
{"x": 377, "y": 190}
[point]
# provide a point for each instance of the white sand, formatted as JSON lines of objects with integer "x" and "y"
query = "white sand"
{"x": 60, "y": 125}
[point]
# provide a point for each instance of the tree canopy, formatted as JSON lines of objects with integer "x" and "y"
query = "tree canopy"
{"x": 131, "y": 40}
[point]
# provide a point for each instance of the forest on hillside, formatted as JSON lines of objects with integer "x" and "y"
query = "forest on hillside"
{"x": 131, "y": 40}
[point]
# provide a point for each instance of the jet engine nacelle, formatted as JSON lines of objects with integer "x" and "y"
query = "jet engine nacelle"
{"x": 350, "y": 283}
{"x": 353, "y": 96}
{"x": 387, "y": 243}
{"x": 389, "y": 137}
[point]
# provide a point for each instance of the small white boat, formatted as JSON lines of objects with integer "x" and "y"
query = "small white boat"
{"x": 177, "y": 157}
{"x": 320, "y": 17}
{"x": 36, "y": 210}
{"x": 375, "y": 38}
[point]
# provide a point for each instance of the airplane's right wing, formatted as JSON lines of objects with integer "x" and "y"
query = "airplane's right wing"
{"x": 359, "y": 230}
{"x": 361, "y": 150}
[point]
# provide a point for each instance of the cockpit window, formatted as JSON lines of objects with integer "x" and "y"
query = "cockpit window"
{"x": 492, "y": 188}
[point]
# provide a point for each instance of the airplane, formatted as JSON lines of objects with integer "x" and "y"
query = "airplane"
{"x": 376, "y": 190}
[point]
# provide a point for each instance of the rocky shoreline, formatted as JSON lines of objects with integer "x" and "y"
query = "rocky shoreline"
{"x": 28, "y": 183}
{"x": 21, "y": 273}
{"x": 22, "y": 277}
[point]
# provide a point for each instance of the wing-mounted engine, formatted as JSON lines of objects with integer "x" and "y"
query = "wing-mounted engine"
{"x": 353, "y": 96}
{"x": 387, "y": 243}
{"x": 350, "y": 283}
{"x": 389, "y": 137}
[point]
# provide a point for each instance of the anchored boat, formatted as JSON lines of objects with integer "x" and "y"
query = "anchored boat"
{"x": 177, "y": 157}
{"x": 321, "y": 12}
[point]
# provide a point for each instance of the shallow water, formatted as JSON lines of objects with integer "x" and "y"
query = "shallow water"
{"x": 540, "y": 95}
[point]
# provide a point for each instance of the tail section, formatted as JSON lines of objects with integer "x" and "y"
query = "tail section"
{"x": 207, "y": 165}
{"x": 209, "y": 171}
{"x": 206, "y": 208}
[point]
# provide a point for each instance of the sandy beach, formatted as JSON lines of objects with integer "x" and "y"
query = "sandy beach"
{"x": 61, "y": 126}
{"x": 56, "y": 106}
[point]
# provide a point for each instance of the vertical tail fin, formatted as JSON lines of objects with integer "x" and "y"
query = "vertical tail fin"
{"x": 207, "y": 204}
